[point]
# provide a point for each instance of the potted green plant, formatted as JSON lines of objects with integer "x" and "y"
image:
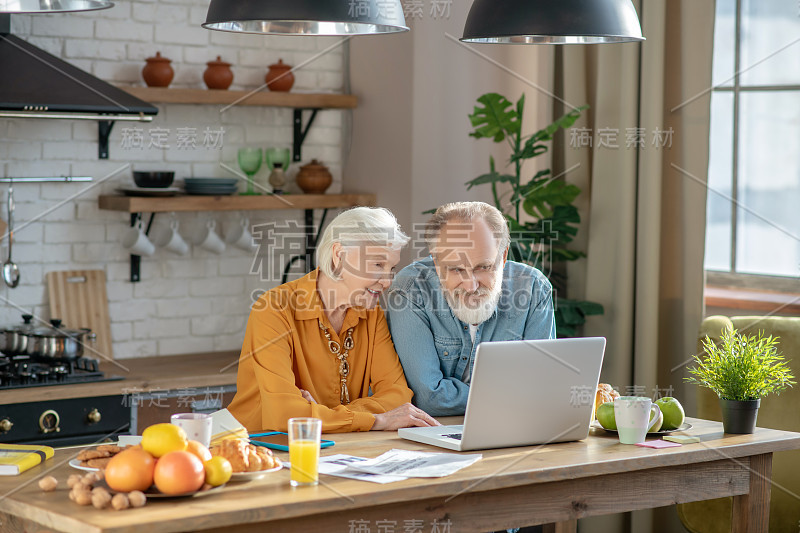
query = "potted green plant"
{"x": 539, "y": 207}
{"x": 741, "y": 369}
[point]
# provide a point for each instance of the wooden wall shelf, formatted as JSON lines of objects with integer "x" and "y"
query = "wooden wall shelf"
{"x": 141, "y": 204}
{"x": 249, "y": 98}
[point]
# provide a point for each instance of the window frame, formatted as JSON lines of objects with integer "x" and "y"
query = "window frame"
{"x": 733, "y": 278}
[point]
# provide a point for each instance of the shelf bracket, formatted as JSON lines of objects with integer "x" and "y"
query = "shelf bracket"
{"x": 311, "y": 244}
{"x": 300, "y": 132}
{"x": 136, "y": 260}
{"x": 104, "y": 128}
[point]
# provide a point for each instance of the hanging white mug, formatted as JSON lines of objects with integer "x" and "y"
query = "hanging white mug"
{"x": 170, "y": 239}
{"x": 208, "y": 239}
{"x": 239, "y": 235}
{"x": 137, "y": 242}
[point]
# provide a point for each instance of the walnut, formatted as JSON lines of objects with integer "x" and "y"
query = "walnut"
{"x": 48, "y": 483}
{"x": 82, "y": 497}
{"x": 137, "y": 498}
{"x": 120, "y": 501}
{"x": 73, "y": 480}
{"x": 91, "y": 478}
{"x": 100, "y": 498}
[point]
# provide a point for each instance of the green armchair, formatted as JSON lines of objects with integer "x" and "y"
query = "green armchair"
{"x": 776, "y": 412}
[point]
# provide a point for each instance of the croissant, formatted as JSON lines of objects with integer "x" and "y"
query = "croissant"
{"x": 605, "y": 393}
{"x": 245, "y": 457}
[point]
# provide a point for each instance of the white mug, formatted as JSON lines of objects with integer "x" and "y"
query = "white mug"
{"x": 196, "y": 425}
{"x": 208, "y": 239}
{"x": 137, "y": 242}
{"x": 239, "y": 235}
{"x": 632, "y": 415}
{"x": 169, "y": 238}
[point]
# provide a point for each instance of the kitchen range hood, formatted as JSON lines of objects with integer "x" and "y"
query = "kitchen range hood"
{"x": 36, "y": 84}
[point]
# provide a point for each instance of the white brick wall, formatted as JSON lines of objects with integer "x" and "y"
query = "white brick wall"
{"x": 183, "y": 304}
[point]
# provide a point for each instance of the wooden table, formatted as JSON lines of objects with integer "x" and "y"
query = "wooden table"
{"x": 553, "y": 484}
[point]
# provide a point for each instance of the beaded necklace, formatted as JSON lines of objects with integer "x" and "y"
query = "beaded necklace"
{"x": 344, "y": 366}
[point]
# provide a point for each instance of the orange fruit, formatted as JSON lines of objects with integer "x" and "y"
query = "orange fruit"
{"x": 179, "y": 472}
{"x": 160, "y": 439}
{"x": 130, "y": 470}
{"x": 218, "y": 471}
{"x": 197, "y": 448}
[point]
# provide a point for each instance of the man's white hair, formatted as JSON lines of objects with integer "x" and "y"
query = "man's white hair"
{"x": 357, "y": 227}
{"x": 468, "y": 212}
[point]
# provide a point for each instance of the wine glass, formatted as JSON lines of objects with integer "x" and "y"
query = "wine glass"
{"x": 250, "y": 162}
{"x": 278, "y": 163}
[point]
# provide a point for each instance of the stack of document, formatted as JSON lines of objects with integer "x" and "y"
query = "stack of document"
{"x": 224, "y": 426}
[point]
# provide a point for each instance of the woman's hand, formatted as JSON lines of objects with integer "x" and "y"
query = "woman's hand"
{"x": 307, "y": 396}
{"x": 403, "y": 417}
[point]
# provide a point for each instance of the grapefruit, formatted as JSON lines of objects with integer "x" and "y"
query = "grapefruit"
{"x": 179, "y": 472}
{"x": 130, "y": 470}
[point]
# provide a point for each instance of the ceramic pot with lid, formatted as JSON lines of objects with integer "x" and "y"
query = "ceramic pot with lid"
{"x": 14, "y": 338}
{"x": 314, "y": 178}
{"x": 218, "y": 75}
{"x": 55, "y": 342}
{"x": 279, "y": 77}
{"x": 158, "y": 72}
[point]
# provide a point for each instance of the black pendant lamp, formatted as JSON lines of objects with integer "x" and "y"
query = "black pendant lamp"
{"x": 307, "y": 17}
{"x": 51, "y": 6}
{"x": 552, "y": 22}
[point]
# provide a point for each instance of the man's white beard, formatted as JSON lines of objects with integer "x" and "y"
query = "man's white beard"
{"x": 472, "y": 311}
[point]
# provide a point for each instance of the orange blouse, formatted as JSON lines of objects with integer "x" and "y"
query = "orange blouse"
{"x": 285, "y": 350}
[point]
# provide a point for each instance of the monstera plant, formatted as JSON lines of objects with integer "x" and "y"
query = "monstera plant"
{"x": 540, "y": 239}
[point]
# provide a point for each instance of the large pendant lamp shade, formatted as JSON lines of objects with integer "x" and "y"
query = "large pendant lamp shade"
{"x": 52, "y": 6}
{"x": 307, "y": 17}
{"x": 552, "y": 22}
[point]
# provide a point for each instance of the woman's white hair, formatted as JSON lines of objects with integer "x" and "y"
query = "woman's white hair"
{"x": 357, "y": 227}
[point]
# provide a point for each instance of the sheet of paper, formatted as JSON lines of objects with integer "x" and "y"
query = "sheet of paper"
{"x": 338, "y": 465}
{"x": 416, "y": 464}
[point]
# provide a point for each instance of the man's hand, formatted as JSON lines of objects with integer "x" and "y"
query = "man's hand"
{"x": 403, "y": 417}
{"x": 307, "y": 396}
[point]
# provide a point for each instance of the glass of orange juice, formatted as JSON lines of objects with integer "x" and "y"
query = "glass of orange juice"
{"x": 304, "y": 442}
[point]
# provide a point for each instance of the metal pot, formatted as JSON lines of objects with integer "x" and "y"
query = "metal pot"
{"x": 14, "y": 338}
{"x": 58, "y": 343}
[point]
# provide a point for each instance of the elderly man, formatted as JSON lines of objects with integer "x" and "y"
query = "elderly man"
{"x": 466, "y": 292}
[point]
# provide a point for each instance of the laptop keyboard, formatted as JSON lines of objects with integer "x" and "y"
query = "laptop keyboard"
{"x": 455, "y": 436}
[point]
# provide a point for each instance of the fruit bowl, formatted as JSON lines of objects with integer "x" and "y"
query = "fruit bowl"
{"x": 153, "y": 492}
{"x": 683, "y": 427}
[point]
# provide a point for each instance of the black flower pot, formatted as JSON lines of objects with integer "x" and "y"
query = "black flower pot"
{"x": 739, "y": 416}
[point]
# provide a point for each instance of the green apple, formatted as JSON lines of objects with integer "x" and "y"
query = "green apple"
{"x": 673, "y": 412}
{"x": 659, "y": 422}
{"x": 605, "y": 415}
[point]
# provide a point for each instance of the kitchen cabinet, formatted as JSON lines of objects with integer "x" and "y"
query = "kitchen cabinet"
{"x": 136, "y": 205}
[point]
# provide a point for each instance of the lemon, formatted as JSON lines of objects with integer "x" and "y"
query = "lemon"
{"x": 160, "y": 439}
{"x": 218, "y": 471}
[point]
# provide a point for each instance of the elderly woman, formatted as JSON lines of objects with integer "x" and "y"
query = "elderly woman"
{"x": 320, "y": 347}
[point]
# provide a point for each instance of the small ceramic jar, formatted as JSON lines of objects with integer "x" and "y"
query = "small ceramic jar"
{"x": 158, "y": 72}
{"x": 279, "y": 77}
{"x": 218, "y": 75}
{"x": 314, "y": 178}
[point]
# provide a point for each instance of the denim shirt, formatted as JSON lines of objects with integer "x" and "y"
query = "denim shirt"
{"x": 435, "y": 347}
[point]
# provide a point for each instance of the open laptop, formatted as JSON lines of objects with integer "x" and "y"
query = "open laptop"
{"x": 522, "y": 393}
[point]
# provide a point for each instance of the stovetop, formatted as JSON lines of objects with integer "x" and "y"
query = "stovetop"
{"x": 21, "y": 371}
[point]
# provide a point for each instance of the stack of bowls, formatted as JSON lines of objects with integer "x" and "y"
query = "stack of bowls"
{"x": 211, "y": 186}
{"x": 153, "y": 180}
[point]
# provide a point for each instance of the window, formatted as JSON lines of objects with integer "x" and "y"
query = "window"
{"x": 753, "y": 216}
